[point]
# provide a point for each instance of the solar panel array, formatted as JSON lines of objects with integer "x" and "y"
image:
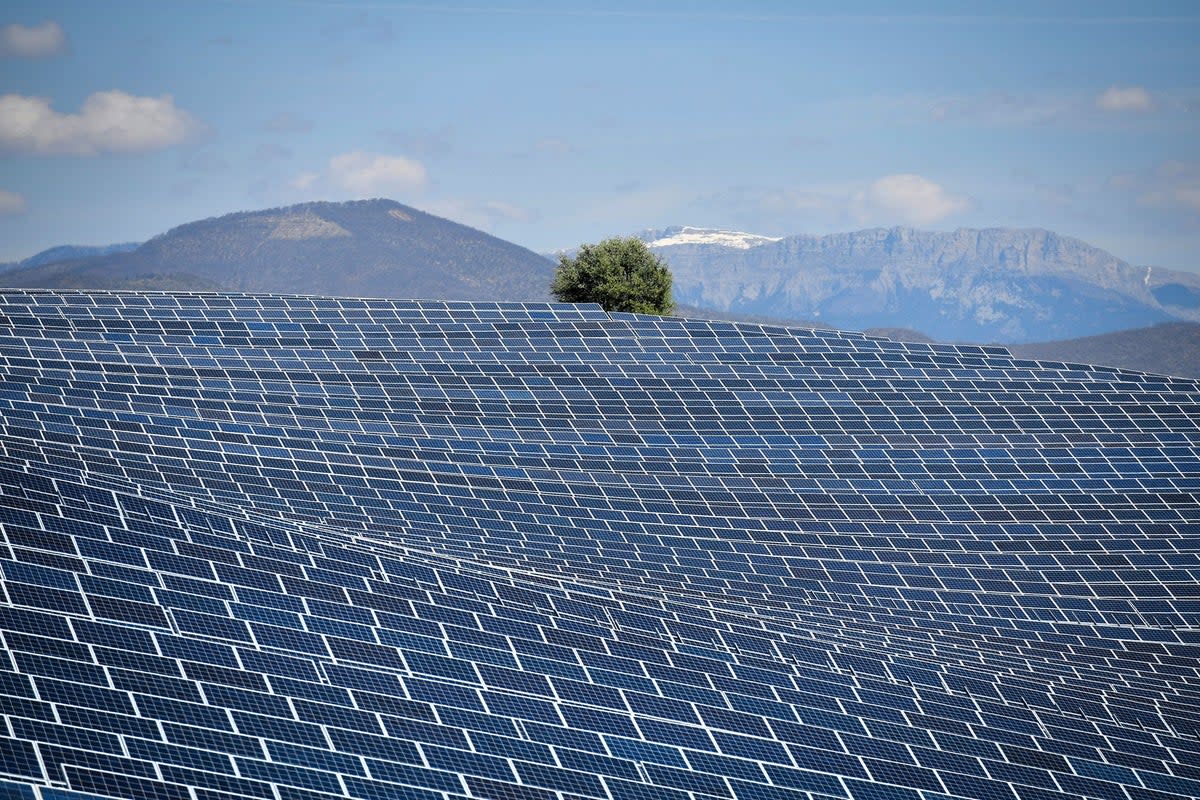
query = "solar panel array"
{"x": 297, "y": 548}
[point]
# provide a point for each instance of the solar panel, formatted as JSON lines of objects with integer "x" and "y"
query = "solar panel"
{"x": 293, "y": 547}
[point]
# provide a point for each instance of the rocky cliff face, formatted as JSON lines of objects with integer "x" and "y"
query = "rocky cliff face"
{"x": 996, "y": 284}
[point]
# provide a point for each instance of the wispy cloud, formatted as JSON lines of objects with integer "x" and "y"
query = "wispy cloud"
{"x": 11, "y": 203}
{"x": 108, "y": 122}
{"x": 1125, "y": 98}
{"x": 371, "y": 175}
{"x": 899, "y": 199}
{"x": 1011, "y": 108}
{"x": 1007, "y": 108}
{"x": 39, "y": 41}
{"x": 360, "y": 175}
{"x": 907, "y": 198}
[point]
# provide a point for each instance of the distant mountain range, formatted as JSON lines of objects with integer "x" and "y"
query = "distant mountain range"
{"x": 370, "y": 248}
{"x": 1047, "y": 296}
{"x": 67, "y": 253}
{"x": 1172, "y": 348}
{"x": 993, "y": 285}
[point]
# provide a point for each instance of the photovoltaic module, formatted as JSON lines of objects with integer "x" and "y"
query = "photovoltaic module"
{"x": 297, "y": 548}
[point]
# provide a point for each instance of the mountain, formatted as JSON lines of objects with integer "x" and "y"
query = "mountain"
{"x": 900, "y": 335}
{"x": 1172, "y": 348}
{"x": 69, "y": 252}
{"x": 370, "y": 248}
{"x": 992, "y": 285}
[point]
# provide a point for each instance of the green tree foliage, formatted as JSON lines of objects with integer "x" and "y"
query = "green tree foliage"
{"x": 619, "y": 274}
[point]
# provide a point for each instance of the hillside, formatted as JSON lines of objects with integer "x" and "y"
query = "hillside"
{"x": 69, "y": 252}
{"x": 372, "y": 248}
{"x": 992, "y": 285}
{"x": 1168, "y": 349}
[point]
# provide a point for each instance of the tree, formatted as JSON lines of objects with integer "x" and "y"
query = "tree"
{"x": 619, "y": 274}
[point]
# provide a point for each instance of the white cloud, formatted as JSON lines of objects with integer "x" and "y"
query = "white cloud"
{"x": 1128, "y": 98}
{"x": 372, "y": 175}
{"x": 908, "y": 199}
{"x": 1007, "y": 108}
{"x": 786, "y": 210}
{"x": 112, "y": 121}
{"x": 11, "y": 203}
{"x": 304, "y": 182}
{"x": 1070, "y": 108}
{"x": 360, "y": 175}
{"x": 40, "y": 41}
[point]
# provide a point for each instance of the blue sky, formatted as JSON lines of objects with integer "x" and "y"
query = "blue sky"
{"x": 555, "y": 123}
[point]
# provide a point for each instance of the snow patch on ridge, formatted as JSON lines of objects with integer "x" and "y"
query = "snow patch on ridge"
{"x": 735, "y": 239}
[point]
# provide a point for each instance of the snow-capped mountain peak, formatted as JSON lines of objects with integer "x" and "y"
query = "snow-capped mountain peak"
{"x": 686, "y": 235}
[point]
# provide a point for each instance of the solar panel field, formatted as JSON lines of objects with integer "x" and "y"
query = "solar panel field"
{"x": 296, "y": 548}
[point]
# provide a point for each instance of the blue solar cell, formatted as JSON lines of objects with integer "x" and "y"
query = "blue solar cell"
{"x": 116, "y": 785}
{"x": 629, "y": 790}
{"x": 288, "y": 775}
{"x": 184, "y": 756}
{"x": 19, "y": 791}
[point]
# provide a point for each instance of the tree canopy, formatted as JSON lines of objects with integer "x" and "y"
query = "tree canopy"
{"x": 621, "y": 274}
